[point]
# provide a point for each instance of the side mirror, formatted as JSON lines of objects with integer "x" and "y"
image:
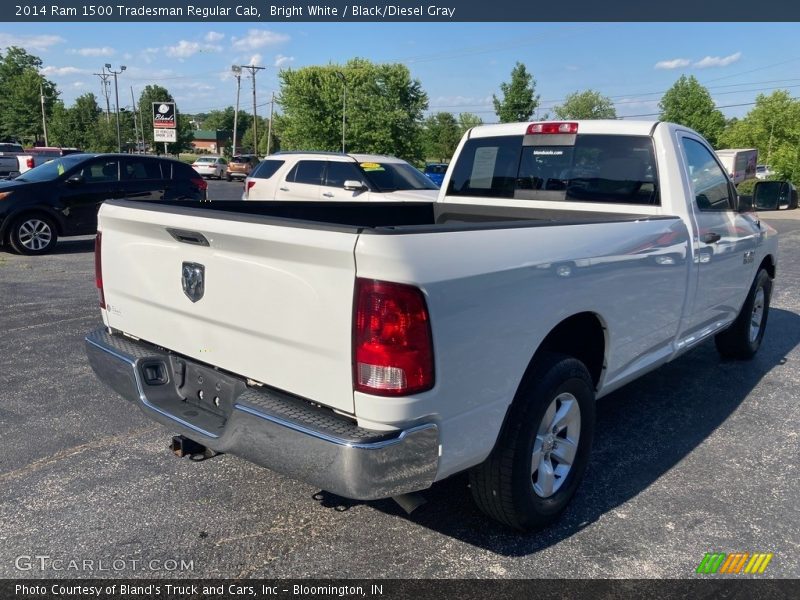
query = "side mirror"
{"x": 76, "y": 179}
{"x": 351, "y": 185}
{"x": 774, "y": 195}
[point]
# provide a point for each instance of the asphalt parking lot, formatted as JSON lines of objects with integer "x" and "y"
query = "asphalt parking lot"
{"x": 700, "y": 456}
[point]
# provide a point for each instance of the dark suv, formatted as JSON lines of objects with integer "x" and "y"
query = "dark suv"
{"x": 62, "y": 197}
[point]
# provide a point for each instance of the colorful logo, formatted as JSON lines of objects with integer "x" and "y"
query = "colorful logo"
{"x": 739, "y": 562}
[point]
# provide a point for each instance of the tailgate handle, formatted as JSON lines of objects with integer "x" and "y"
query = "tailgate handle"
{"x": 188, "y": 237}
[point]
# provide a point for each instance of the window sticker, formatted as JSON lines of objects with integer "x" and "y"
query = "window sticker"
{"x": 483, "y": 167}
{"x": 371, "y": 166}
{"x": 60, "y": 168}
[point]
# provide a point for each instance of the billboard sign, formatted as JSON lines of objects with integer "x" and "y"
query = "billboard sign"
{"x": 164, "y": 115}
{"x": 165, "y": 135}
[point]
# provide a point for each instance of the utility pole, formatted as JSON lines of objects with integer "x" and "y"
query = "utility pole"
{"x": 116, "y": 94}
{"x": 105, "y": 83}
{"x": 253, "y": 70}
{"x": 141, "y": 125}
{"x": 237, "y": 72}
{"x": 44, "y": 117}
{"x": 269, "y": 129}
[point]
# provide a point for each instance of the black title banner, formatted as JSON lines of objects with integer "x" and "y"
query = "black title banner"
{"x": 397, "y": 11}
{"x": 355, "y": 589}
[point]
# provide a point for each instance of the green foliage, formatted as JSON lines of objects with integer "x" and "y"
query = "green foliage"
{"x": 588, "y": 104}
{"x": 20, "y": 103}
{"x": 222, "y": 120}
{"x": 246, "y": 143}
{"x": 745, "y": 188}
{"x": 690, "y": 104}
{"x": 384, "y": 109}
{"x": 467, "y": 121}
{"x": 76, "y": 127}
{"x": 519, "y": 100}
{"x": 772, "y": 126}
{"x": 441, "y": 136}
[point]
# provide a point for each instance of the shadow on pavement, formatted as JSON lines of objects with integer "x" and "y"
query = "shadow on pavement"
{"x": 643, "y": 430}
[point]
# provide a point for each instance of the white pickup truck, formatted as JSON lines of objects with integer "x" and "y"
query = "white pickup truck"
{"x": 372, "y": 349}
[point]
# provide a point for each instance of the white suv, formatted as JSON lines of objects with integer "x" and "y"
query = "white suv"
{"x": 315, "y": 176}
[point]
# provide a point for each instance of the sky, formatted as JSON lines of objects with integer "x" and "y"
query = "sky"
{"x": 460, "y": 65}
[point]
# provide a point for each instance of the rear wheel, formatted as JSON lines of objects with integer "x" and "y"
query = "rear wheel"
{"x": 33, "y": 234}
{"x": 743, "y": 338}
{"x": 543, "y": 450}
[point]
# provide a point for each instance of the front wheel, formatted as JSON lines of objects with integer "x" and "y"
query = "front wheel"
{"x": 743, "y": 338}
{"x": 33, "y": 234}
{"x": 543, "y": 450}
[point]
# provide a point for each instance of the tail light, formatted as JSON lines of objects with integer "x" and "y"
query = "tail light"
{"x": 392, "y": 342}
{"x": 248, "y": 184}
{"x": 98, "y": 268}
{"x": 552, "y": 128}
{"x": 200, "y": 183}
{"x": 29, "y": 162}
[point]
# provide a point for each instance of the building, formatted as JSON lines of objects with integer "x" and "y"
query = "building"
{"x": 211, "y": 141}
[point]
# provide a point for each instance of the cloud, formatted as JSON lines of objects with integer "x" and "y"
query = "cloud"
{"x": 675, "y": 63}
{"x": 717, "y": 61}
{"x": 40, "y": 43}
{"x": 445, "y": 102}
{"x": 255, "y": 59}
{"x": 62, "y": 71}
{"x": 214, "y": 36}
{"x": 77, "y": 84}
{"x": 185, "y": 49}
{"x": 258, "y": 38}
{"x": 104, "y": 51}
{"x": 282, "y": 61}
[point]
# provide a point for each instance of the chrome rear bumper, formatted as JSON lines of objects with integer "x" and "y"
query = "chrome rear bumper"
{"x": 269, "y": 427}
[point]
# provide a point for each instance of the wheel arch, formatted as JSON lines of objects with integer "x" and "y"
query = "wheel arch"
{"x": 769, "y": 265}
{"x": 12, "y": 218}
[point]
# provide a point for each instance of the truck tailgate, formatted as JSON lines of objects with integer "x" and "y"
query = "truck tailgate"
{"x": 276, "y": 299}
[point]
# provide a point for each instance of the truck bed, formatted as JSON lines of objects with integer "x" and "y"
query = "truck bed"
{"x": 386, "y": 217}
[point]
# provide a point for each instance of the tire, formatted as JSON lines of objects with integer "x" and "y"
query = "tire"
{"x": 507, "y": 486}
{"x": 228, "y": 177}
{"x": 743, "y": 338}
{"x": 33, "y": 234}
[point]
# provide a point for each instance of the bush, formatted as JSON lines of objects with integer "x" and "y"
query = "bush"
{"x": 745, "y": 188}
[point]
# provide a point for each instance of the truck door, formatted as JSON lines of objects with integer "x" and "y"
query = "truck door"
{"x": 724, "y": 241}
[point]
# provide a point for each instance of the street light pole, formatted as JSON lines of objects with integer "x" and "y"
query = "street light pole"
{"x": 237, "y": 72}
{"x": 341, "y": 76}
{"x": 116, "y": 95}
{"x": 44, "y": 118}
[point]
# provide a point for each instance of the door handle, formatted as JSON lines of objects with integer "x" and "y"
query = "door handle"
{"x": 284, "y": 189}
{"x": 712, "y": 237}
{"x": 328, "y": 195}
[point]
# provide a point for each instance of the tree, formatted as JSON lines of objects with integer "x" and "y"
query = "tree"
{"x": 222, "y": 120}
{"x": 772, "y": 126}
{"x": 75, "y": 127}
{"x": 441, "y": 136}
{"x": 246, "y": 140}
{"x": 588, "y": 104}
{"x": 519, "y": 98}
{"x": 20, "y": 102}
{"x": 156, "y": 93}
{"x": 468, "y": 121}
{"x": 383, "y": 114}
{"x": 690, "y": 104}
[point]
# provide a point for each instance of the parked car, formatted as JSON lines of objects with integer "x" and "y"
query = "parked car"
{"x": 764, "y": 172}
{"x": 435, "y": 172}
{"x": 62, "y": 197}
{"x": 377, "y": 348}
{"x": 311, "y": 176}
{"x": 211, "y": 166}
{"x": 241, "y": 165}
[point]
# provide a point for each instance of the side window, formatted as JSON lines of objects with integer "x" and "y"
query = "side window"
{"x": 307, "y": 171}
{"x": 141, "y": 169}
{"x": 709, "y": 183}
{"x": 487, "y": 167}
{"x": 339, "y": 172}
{"x": 99, "y": 171}
{"x": 267, "y": 169}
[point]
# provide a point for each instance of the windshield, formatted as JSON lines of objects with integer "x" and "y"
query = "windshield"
{"x": 390, "y": 177}
{"x": 53, "y": 169}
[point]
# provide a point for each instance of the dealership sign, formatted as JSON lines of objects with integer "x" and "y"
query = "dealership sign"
{"x": 164, "y": 115}
{"x": 165, "y": 135}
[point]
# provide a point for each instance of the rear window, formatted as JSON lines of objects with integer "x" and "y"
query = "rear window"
{"x": 267, "y": 169}
{"x": 597, "y": 168}
{"x": 10, "y": 148}
{"x": 179, "y": 170}
{"x": 436, "y": 169}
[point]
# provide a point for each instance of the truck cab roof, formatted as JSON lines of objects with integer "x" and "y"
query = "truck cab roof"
{"x": 597, "y": 126}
